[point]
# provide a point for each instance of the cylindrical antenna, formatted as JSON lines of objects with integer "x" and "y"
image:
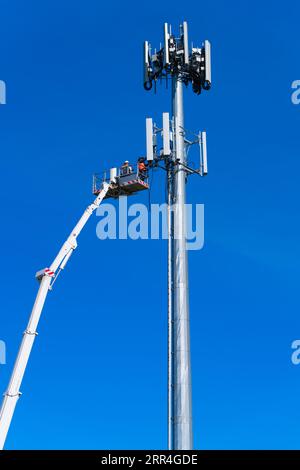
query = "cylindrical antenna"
{"x": 166, "y": 43}
{"x": 203, "y": 153}
{"x": 146, "y": 64}
{"x": 207, "y": 50}
{"x": 149, "y": 139}
{"x": 166, "y": 134}
{"x": 185, "y": 43}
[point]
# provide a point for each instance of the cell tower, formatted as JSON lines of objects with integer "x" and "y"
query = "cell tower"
{"x": 183, "y": 65}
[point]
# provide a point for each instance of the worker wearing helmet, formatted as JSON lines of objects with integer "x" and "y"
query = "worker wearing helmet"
{"x": 126, "y": 169}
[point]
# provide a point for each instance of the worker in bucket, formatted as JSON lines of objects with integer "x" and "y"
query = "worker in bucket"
{"x": 142, "y": 168}
{"x": 126, "y": 169}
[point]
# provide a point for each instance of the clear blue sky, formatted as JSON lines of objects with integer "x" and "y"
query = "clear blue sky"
{"x": 75, "y": 105}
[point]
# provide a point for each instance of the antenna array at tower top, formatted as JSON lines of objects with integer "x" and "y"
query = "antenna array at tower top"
{"x": 175, "y": 58}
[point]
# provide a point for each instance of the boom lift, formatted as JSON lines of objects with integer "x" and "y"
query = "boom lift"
{"x": 46, "y": 277}
{"x": 114, "y": 184}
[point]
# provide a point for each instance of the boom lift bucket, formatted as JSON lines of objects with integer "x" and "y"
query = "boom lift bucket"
{"x": 122, "y": 183}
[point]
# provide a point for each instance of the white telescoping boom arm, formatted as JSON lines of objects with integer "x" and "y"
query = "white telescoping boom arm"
{"x": 47, "y": 277}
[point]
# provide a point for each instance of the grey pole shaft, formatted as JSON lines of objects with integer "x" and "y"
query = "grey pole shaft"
{"x": 170, "y": 307}
{"x": 182, "y": 434}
